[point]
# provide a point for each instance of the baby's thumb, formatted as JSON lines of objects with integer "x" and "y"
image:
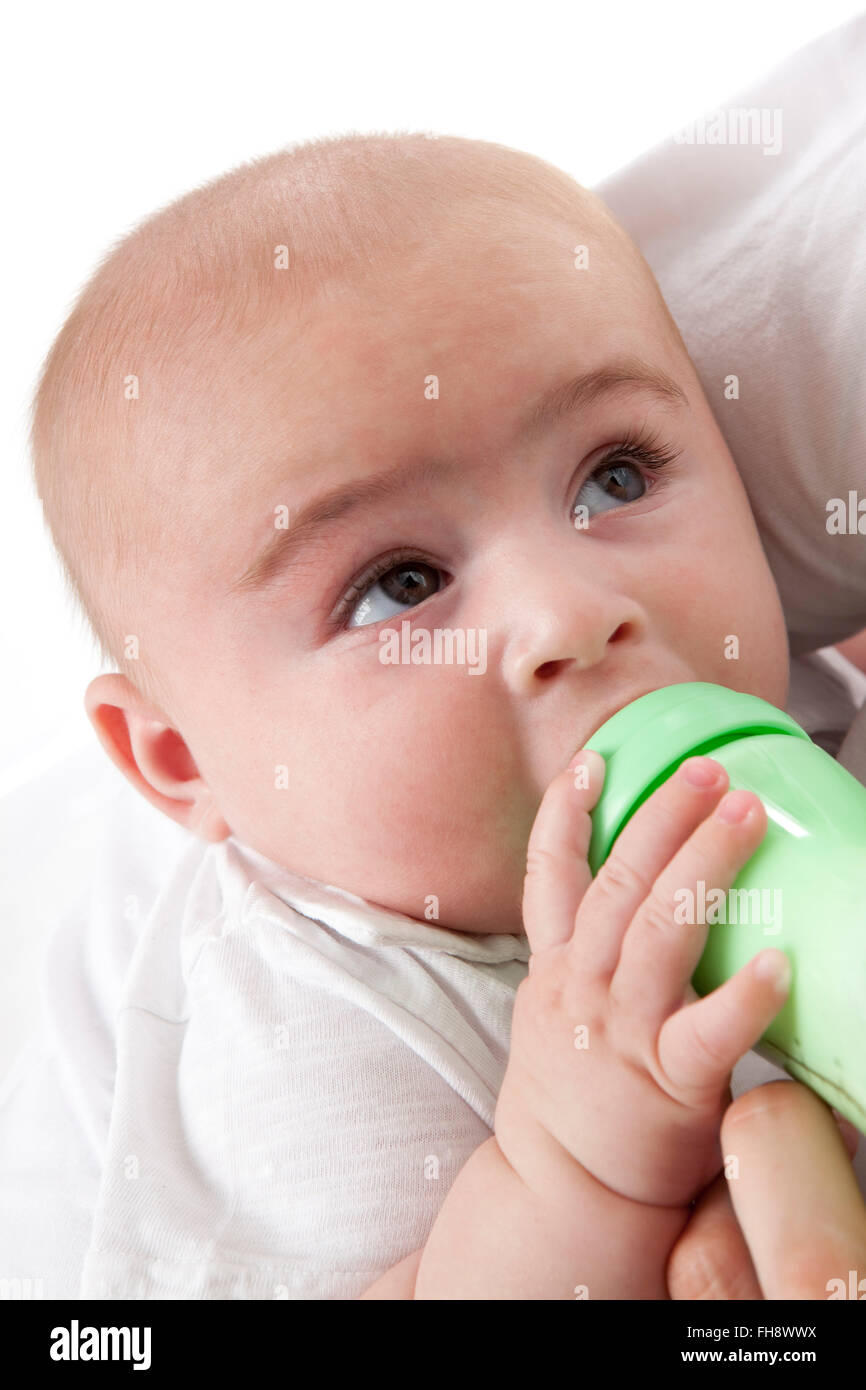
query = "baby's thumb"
{"x": 557, "y": 872}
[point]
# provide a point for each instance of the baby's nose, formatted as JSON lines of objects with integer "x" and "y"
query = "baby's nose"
{"x": 562, "y": 642}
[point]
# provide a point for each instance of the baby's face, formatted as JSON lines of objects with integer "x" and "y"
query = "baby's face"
{"x": 578, "y": 575}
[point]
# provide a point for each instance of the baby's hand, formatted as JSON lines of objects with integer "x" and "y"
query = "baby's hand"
{"x": 613, "y": 1056}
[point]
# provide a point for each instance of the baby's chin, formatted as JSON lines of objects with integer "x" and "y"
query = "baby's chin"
{"x": 466, "y": 901}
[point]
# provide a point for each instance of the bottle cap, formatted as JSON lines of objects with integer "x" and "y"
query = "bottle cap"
{"x": 645, "y": 742}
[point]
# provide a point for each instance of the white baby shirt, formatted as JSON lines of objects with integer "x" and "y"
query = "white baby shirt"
{"x": 296, "y": 1088}
{"x": 260, "y": 1086}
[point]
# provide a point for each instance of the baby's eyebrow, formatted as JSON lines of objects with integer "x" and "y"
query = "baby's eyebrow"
{"x": 581, "y": 391}
{"x": 283, "y": 549}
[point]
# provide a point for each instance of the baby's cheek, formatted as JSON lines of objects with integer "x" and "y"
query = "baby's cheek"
{"x": 739, "y": 632}
{"x": 450, "y": 824}
{"x": 413, "y": 799}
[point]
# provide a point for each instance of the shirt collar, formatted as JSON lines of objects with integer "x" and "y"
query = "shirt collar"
{"x": 367, "y": 923}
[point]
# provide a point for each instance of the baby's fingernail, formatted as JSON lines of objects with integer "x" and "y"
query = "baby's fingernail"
{"x": 701, "y": 772}
{"x": 775, "y": 967}
{"x": 734, "y": 807}
{"x": 584, "y": 759}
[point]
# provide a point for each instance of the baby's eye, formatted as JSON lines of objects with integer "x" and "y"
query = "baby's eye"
{"x": 393, "y": 590}
{"x": 612, "y": 483}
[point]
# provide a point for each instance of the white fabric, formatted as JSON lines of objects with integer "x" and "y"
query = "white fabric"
{"x": 295, "y": 1090}
{"x": 761, "y": 258}
{"x": 285, "y": 1082}
{"x": 52, "y": 832}
{"x": 256, "y": 1086}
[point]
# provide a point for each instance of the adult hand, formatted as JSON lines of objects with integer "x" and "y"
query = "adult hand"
{"x": 791, "y": 1221}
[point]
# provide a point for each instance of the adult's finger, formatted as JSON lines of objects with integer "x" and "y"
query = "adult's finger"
{"x": 711, "y": 1259}
{"x": 795, "y": 1194}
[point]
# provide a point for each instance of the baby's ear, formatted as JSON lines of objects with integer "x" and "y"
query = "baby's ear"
{"x": 152, "y": 755}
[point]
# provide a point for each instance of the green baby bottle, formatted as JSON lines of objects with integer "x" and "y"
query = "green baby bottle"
{"x": 804, "y": 888}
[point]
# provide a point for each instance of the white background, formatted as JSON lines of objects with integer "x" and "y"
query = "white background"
{"x": 113, "y": 110}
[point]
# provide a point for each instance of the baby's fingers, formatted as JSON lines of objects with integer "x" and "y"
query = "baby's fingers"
{"x": 557, "y": 872}
{"x": 665, "y": 941}
{"x": 699, "y": 1046}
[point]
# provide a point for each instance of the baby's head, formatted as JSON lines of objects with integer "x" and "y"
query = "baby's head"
{"x": 381, "y": 387}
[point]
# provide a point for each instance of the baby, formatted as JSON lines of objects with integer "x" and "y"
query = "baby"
{"x": 381, "y": 386}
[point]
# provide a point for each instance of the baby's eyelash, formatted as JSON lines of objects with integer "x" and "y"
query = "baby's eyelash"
{"x": 644, "y": 449}
{"x": 374, "y": 572}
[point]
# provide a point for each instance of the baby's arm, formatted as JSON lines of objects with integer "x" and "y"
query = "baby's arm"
{"x": 607, "y": 1121}
{"x": 497, "y": 1238}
